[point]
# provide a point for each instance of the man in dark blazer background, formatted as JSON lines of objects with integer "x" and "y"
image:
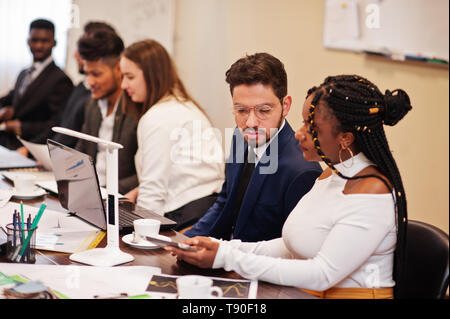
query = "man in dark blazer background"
{"x": 266, "y": 174}
{"x": 73, "y": 115}
{"x": 40, "y": 93}
{"x": 103, "y": 114}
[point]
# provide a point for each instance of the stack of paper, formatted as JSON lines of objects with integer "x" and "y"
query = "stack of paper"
{"x": 5, "y": 196}
{"x": 11, "y": 159}
{"x": 45, "y": 180}
{"x": 82, "y": 282}
{"x": 57, "y": 231}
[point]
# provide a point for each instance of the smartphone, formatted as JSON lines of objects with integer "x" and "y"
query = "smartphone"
{"x": 162, "y": 242}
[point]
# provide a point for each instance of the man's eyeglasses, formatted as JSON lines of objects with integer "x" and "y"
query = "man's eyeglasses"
{"x": 262, "y": 112}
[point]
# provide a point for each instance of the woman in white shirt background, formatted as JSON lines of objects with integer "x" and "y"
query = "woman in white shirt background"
{"x": 179, "y": 161}
{"x": 346, "y": 238}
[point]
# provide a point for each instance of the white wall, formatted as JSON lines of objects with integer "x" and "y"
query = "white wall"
{"x": 133, "y": 20}
{"x": 211, "y": 34}
{"x": 200, "y": 53}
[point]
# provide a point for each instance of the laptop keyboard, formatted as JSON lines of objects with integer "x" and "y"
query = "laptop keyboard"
{"x": 126, "y": 218}
{"x": 129, "y": 212}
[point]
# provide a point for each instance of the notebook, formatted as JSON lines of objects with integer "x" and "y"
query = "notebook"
{"x": 11, "y": 159}
{"x": 79, "y": 190}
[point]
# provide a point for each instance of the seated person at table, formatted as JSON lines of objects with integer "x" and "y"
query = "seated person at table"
{"x": 38, "y": 98}
{"x": 266, "y": 174}
{"x": 346, "y": 237}
{"x": 103, "y": 114}
{"x": 73, "y": 115}
{"x": 176, "y": 177}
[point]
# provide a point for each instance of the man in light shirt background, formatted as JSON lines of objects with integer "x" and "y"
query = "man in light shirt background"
{"x": 104, "y": 115}
{"x": 73, "y": 115}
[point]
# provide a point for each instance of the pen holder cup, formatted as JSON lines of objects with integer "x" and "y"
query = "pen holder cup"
{"x": 21, "y": 244}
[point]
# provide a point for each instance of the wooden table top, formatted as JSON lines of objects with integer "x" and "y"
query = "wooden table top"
{"x": 159, "y": 258}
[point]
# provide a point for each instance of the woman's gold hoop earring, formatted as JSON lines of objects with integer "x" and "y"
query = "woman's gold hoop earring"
{"x": 340, "y": 156}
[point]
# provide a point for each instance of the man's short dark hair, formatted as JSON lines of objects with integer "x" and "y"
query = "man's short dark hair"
{"x": 94, "y": 26}
{"x": 259, "y": 68}
{"x": 42, "y": 24}
{"x": 100, "y": 45}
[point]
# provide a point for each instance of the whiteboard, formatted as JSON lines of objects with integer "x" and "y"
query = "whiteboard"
{"x": 408, "y": 27}
{"x": 133, "y": 20}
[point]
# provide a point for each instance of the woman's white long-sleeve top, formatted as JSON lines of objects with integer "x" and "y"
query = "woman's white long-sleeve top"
{"x": 330, "y": 239}
{"x": 179, "y": 157}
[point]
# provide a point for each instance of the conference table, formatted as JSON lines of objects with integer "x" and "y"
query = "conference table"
{"x": 157, "y": 258}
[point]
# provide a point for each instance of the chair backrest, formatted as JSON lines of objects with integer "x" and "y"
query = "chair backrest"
{"x": 427, "y": 267}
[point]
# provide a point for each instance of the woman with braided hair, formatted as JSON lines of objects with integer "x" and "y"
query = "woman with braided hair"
{"x": 346, "y": 237}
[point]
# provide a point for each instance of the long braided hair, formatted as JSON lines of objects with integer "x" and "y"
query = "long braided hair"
{"x": 362, "y": 109}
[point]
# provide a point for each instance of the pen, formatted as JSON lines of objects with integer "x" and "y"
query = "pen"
{"x": 112, "y": 296}
{"x": 33, "y": 227}
{"x": 415, "y": 57}
{"x": 439, "y": 61}
{"x": 21, "y": 220}
{"x": 27, "y": 252}
{"x": 14, "y": 226}
{"x": 21, "y": 232}
{"x": 376, "y": 53}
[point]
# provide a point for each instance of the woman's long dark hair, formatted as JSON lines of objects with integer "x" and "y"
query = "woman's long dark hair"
{"x": 362, "y": 109}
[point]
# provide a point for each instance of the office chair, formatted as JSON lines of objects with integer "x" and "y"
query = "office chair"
{"x": 427, "y": 269}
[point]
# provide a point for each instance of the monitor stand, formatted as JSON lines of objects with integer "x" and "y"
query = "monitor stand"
{"x": 111, "y": 255}
{"x": 102, "y": 257}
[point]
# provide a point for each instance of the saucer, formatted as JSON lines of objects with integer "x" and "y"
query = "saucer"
{"x": 36, "y": 192}
{"x": 143, "y": 244}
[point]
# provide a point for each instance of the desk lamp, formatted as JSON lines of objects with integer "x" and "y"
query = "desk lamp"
{"x": 111, "y": 255}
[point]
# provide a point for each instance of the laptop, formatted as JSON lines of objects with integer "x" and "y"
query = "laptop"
{"x": 39, "y": 152}
{"x": 11, "y": 159}
{"x": 79, "y": 191}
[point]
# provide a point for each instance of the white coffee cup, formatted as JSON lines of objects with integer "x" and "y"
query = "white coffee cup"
{"x": 25, "y": 183}
{"x": 197, "y": 287}
{"x": 146, "y": 227}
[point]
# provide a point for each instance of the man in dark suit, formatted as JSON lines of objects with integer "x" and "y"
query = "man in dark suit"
{"x": 40, "y": 93}
{"x": 266, "y": 174}
{"x": 103, "y": 116}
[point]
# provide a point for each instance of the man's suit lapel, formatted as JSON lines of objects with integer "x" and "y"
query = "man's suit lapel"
{"x": 258, "y": 178}
{"x": 93, "y": 117}
{"x": 118, "y": 122}
{"x": 237, "y": 157}
{"x": 29, "y": 98}
{"x": 251, "y": 195}
{"x": 17, "y": 97}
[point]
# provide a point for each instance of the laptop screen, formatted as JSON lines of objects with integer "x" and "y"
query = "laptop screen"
{"x": 77, "y": 183}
